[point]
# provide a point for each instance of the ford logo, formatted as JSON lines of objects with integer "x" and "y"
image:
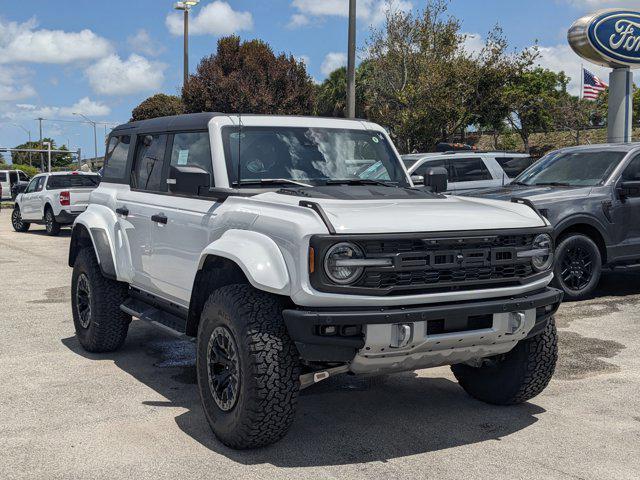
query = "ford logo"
{"x": 608, "y": 37}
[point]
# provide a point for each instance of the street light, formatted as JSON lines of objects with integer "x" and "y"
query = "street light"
{"x": 185, "y": 6}
{"x": 95, "y": 135}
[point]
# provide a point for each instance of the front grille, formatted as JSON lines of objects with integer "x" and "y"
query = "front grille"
{"x": 432, "y": 263}
{"x": 446, "y": 264}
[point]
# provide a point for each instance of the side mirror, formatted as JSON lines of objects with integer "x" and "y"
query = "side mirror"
{"x": 188, "y": 180}
{"x": 436, "y": 179}
{"x": 629, "y": 189}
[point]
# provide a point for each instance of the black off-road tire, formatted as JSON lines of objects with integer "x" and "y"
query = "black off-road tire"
{"x": 51, "y": 225}
{"x": 107, "y": 325}
{"x": 17, "y": 223}
{"x": 517, "y": 376}
{"x": 266, "y": 366}
{"x": 589, "y": 248}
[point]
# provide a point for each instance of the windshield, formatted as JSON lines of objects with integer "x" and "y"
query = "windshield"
{"x": 311, "y": 156}
{"x": 575, "y": 169}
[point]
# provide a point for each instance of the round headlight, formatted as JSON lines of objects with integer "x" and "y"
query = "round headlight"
{"x": 542, "y": 262}
{"x": 337, "y": 263}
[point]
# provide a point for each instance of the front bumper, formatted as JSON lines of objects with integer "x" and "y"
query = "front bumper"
{"x": 474, "y": 326}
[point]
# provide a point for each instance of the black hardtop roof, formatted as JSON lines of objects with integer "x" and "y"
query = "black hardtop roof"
{"x": 189, "y": 121}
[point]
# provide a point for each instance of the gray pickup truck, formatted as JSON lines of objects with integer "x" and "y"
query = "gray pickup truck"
{"x": 591, "y": 196}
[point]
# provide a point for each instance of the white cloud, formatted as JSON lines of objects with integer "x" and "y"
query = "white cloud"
{"x": 473, "y": 43}
{"x": 372, "y": 12}
{"x": 304, "y": 59}
{"x": 86, "y": 106}
{"x": 142, "y": 42}
{"x": 115, "y": 76}
{"x": 333, "y": 61}
{"x": 23, "y": 42}
{"x": 14, "y": 84}
{"x": 216, "y": 18}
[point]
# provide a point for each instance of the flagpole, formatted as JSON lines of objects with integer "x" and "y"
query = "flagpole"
{"x": 581, "y": 79}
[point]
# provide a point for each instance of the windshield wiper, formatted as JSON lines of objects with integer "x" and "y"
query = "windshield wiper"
{"x": 271, "y": 181}
{"x": 359, "y": 181}
{"x": 553, "y": 184}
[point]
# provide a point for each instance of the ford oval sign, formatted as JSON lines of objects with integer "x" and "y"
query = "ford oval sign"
{"x": 608, "y": 37}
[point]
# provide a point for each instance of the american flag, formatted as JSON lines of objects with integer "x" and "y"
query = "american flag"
{"x": 592, "y": 85}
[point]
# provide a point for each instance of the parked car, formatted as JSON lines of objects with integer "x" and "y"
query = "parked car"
{"x": 469, "y": 170}
{"x": 53, "y": 199}
{"x": 591, "y": 196}
{"x": 8, "y": 180}
{"x": 252, "y": 234}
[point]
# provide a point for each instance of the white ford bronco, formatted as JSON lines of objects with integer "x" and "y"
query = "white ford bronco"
{"x": 255, "y": 235}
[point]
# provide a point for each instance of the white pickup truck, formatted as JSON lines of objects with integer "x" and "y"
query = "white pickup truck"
{"x": 54, "y": 200}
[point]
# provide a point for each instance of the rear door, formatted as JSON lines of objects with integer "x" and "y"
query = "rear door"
{"x": 469, "y": 173}
{"x": 139, "y": 203}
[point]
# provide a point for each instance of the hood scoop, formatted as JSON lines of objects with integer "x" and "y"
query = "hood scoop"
{"x": 360, "y": 192}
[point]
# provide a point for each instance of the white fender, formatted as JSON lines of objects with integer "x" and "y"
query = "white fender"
{"x": 257, "y": 255}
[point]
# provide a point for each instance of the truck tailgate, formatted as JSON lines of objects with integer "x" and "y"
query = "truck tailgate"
{"x": 79, "y": 199}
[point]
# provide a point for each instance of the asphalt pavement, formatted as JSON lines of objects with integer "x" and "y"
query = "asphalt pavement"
{"x": 67, "y": 414}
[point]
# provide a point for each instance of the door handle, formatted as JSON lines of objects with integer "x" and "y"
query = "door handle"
{"x": 159, "y": 218}
{"x": 124, "y": 211}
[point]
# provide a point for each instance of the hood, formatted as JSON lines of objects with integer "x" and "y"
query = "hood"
{"x": 537, "y": 194}
{"x": 430, "y": 214}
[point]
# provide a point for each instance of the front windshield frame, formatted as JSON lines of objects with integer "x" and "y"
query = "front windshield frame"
{"x": 397, "y": 172}
{"x": 529, "y": 175}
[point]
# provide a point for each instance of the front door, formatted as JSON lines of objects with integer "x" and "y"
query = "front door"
{"x": 31, "y": 205}
{"x": 626, "y": 216}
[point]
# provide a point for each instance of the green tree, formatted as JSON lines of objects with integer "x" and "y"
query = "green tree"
{"x": 331, "y": 95}
{"x": 249, "y": 77}
{"x": 58, "y": 160}
{"x": 532, "y": 97}
{"x": 158, "y": 105}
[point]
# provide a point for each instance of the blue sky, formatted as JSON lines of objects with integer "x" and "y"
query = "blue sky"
{"x": 101, "y": 58}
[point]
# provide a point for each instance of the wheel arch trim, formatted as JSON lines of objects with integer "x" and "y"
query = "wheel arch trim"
{"x": 96, "y": 228}
{"x": 257, "y": 255}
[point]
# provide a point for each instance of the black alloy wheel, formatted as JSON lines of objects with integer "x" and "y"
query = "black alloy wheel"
{"x": 83, "y": 300}
{"x": 578, "y": 266}
{"x": 223, "y": 368}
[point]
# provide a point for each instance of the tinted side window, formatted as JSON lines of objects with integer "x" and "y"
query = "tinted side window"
{"x": 23, "y": 176}
{"x": 632, "y": 172}
{"x": 422, "y": 169}
{"x": 191, "y": 150}
{"x": 468, "y": 170}
{"x": 115, "y": 162}
{"x": 3, "y": 176}
{"x": 40, "y": 184}
{"x": 32, "y": 186}
{"x": 147, "y": 166}
{"x": 13, "y": 178}
{"x": 514, "y": 166}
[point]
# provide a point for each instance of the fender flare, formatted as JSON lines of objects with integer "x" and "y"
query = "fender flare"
{"x": 100, "y": 228}
{"x": 586, "y": 220}
{"x": 258, "y": 257}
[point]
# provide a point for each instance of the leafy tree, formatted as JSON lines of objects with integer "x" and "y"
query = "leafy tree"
{"x": 26, "y": 158}
{"x": 249, "y": 77}
{"x": 331, "y": 95}
{"x": 532, "y": 97}
{"x": 572, "y": 114}
{"x": 158, "y": 105}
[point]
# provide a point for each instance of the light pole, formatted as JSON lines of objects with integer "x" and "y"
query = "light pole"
{"x": 29, "y": 134}
{"x": 95, "y": 135}
{"x": 351, "y": 62}
{"x": 48, "y": 144}
{"x": 185, "y": 6}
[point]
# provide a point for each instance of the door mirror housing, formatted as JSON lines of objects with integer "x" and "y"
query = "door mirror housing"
{"x": 436, "y": 179}
{"x": 187, "y": 180}
{"x": 629, "y": 189}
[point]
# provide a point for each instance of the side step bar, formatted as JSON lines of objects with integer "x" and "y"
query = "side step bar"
{"x": 171, "y": 324}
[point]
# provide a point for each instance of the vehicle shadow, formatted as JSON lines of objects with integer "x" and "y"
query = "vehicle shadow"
{"x": 65, "y": 232}
{"x": 618, "y": 284}
{"x": 341, "y": 421}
